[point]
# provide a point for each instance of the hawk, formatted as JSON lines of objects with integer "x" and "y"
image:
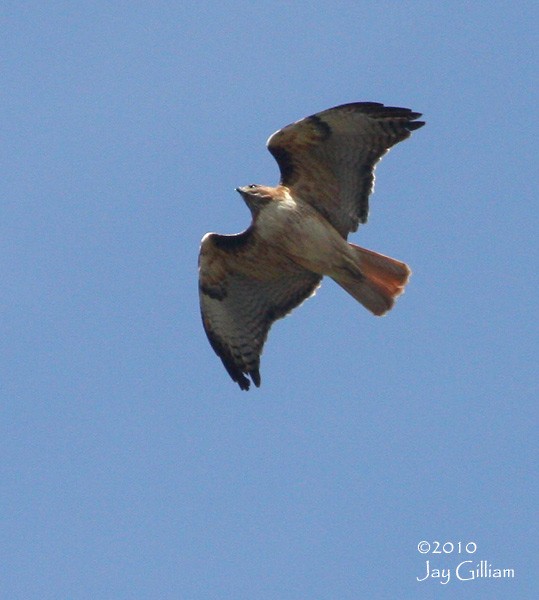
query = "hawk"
{"x": 299, "y": 232}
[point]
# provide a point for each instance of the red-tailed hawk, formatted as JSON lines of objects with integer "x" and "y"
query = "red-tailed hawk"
{"x": 298, "y": 232}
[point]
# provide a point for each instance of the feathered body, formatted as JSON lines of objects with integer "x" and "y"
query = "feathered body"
{"x": 299, "y": 232}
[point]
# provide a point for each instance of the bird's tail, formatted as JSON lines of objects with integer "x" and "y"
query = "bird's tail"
{"x": 378, "y": 281}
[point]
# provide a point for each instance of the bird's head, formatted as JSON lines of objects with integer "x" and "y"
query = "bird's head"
{"x": 255, "y": 196}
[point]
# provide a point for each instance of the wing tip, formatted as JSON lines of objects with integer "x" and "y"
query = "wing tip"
{"x": 243, "y": 381}
{"x": 381, "y": 111}
{"x": 240, "y": 374}
{"x": 413, "y": 125}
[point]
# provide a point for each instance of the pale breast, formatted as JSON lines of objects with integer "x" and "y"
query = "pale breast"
{"x": 301, "y": 233}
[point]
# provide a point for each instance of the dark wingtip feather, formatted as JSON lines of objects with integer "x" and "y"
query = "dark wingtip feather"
{"x": 255, "y": 376}
{"x": 235, "y": 373}
{"x": 242, "y": 381}
{"x": 413, "y": 125}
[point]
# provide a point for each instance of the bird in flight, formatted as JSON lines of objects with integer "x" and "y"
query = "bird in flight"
{"x": 299, "y": 232}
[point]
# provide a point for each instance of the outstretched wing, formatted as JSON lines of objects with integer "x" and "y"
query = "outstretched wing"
{"x": 328, "y": 159}
{"x": 243, "y": 289}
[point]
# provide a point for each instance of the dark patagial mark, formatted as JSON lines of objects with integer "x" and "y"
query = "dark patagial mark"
{"x": 234, "y": 242}
{"x": 286, "y": 165}
{"x": 321, "y": 126}
{"x": 215, "y": 292}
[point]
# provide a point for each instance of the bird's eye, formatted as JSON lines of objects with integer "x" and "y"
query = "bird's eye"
{"x": 253, "y": 186}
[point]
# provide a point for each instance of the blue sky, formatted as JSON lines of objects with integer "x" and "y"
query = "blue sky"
{"x": 132, "y": 467}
